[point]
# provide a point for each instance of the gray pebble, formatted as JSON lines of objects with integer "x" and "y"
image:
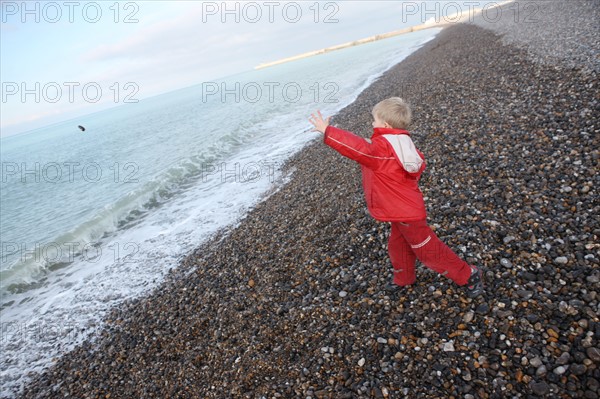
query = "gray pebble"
{"x": 508, "y": 239}
{"x": 483, "y": 308}
{"x": 578, "y": 369}
{"x": 593, "y": 353}
{"x": 524, "y": 294}
{"x": 539, "y": 388}
{"x": 536, "y": 362}
{"x": 561, "y": 260}
{"x": 563, "y": 359}
{"x": 593, "y": 279}
{"x": 541, "y": 371}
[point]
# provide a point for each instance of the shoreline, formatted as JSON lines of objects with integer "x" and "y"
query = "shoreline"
{"x": 350, "y": 44}
{"x": 446, "y": 20}
{"x": 258, "y": 310}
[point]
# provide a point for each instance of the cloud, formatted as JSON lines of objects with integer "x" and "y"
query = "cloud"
{"x": 180, "y": 45}
{"x": 162, "y": 37}
{"x": 192, "y": 33}
{"x": 140, "y": 43}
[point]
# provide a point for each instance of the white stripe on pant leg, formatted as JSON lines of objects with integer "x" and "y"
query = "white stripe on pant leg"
{"x": 421, "y": 244}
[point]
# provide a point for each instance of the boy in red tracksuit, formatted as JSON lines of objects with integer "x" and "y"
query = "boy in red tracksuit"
{"x": 391, "y": 167}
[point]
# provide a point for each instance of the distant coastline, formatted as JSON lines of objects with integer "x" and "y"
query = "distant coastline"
{"x": 430, "y": 23}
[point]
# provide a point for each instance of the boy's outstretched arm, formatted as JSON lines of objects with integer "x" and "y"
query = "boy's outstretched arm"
{"x": 318, "y": 122}
{"x": 346, "y": 143}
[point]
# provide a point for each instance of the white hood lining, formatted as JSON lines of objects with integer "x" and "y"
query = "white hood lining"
{"x": 405, "y": 151}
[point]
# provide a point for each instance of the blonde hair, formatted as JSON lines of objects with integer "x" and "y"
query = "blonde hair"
{"x": 394, "y": 111}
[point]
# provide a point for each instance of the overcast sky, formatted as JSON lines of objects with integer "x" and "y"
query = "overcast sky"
{"x": 50, "y": 51}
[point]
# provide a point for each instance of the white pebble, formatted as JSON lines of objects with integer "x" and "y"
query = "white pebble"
{"x": 449, "y": 347}
{"x": 468, "y": 317}
{"x": 560, "y": 370}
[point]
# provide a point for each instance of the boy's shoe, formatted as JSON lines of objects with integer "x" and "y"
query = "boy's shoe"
{"x": 475, "y": 285}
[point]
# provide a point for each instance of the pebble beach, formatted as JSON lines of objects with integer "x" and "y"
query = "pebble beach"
{"x": 292, "y": 301}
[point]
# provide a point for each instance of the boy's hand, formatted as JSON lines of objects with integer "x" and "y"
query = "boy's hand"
{"x": 318, "y": 122}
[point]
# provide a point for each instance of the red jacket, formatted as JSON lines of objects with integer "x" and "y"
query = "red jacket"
{"x": 391, "y": 167}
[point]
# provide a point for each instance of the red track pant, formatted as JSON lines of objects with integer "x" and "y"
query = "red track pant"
{"x": 416, "y": 240}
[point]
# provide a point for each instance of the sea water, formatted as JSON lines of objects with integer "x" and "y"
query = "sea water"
{"x": 91, "y": 218}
